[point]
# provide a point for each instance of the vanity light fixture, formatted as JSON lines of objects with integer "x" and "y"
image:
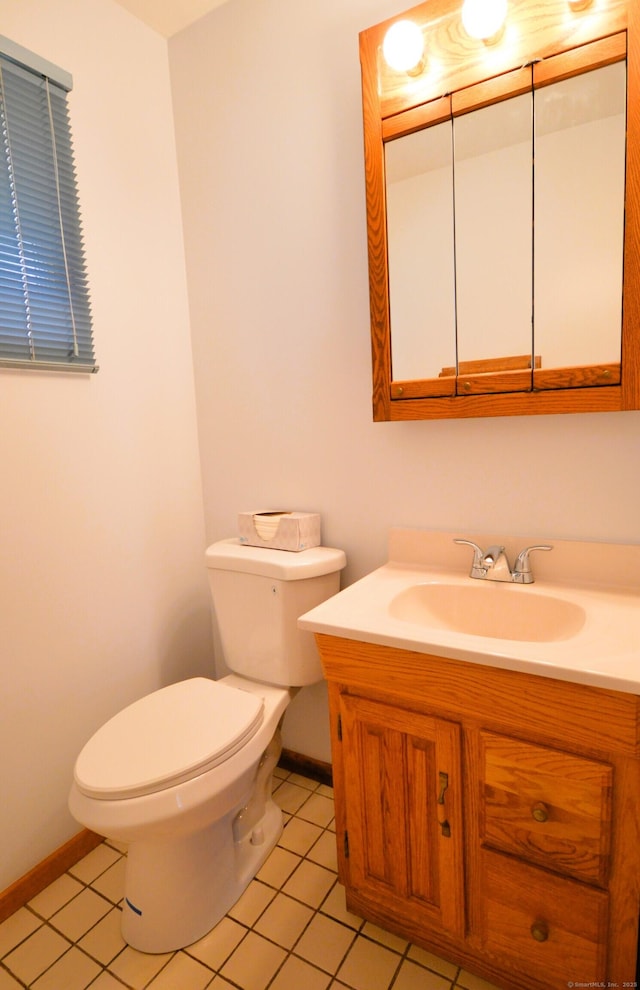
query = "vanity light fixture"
{"x": 403, "y": 48}
{"x": 484, "y": 19}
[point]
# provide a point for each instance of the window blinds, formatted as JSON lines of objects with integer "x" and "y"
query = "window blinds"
{"x": 45, "y": 317}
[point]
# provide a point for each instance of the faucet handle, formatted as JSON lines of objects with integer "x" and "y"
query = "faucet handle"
{"x": 522, "y": 573}
{"x": 477, "y": 567}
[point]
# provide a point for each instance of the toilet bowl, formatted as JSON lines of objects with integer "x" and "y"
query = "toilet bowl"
{"x": 186, "y": 863}
{"x": 184, "y": 775}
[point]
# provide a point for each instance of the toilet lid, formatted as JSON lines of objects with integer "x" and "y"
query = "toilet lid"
{"x": 167, "y": 737}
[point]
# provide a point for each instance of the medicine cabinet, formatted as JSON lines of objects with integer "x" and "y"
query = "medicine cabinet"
{"x": 502, "y": 185}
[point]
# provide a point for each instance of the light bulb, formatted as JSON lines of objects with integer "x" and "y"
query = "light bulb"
{"x": 403, "y": 47}
{"x": 483, "y": 19}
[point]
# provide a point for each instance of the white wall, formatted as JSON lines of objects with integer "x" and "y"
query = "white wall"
{"x": 269, "y": 133}
{"x": 103, "y": 592}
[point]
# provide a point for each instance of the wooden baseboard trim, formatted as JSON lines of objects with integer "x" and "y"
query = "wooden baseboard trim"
{"x": 306, "y": 765}
{"x": 35, "y": 881}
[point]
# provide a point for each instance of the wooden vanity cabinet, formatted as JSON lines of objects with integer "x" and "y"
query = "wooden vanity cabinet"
{"x": 490, "y": 816}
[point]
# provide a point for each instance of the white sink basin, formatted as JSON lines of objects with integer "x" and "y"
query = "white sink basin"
{"x": 489, "y": 609}
{"x": 565, "y": 625}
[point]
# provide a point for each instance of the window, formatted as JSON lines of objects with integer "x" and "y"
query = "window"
{"x": 45, "y": 317}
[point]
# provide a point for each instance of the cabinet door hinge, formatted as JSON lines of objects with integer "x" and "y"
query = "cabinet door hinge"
{"x": 346, "y": 845}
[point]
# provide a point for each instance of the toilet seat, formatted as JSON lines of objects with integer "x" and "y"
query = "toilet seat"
{"x": 166, "y": 738}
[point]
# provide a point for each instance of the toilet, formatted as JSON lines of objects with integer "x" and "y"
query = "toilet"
{"x": 184, "y": 775}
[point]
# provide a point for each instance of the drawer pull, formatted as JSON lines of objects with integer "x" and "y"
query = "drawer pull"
{"x": 539, "y": 931}
{"x": 540, "y": 812}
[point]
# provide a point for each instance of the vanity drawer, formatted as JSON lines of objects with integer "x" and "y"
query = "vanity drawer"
{"x": 542, "y": 923}
{"x": 546, "y": 806}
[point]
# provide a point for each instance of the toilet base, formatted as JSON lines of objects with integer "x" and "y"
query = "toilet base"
{"x": 176, "y": 891}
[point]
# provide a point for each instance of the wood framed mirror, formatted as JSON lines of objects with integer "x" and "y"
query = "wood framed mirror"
{"x": 511, "y": 285}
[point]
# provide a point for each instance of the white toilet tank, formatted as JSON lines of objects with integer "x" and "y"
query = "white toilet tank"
{"x": 258, "y": 595}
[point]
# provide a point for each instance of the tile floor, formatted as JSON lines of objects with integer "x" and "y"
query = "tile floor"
{"x": 289, "y": 931}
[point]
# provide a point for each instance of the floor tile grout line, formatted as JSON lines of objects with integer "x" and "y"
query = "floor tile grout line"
{"x": 317, "y": 910}
{"x": 39, "y": 976}
{"x": 218, "y": 970}
{"x": 28, "y": 936}
{"x": 98, "y": 893}
{"x": 356, "y": 932}
{"x": 292, "y": 953}
{"x": 5, "y": 969}
{"x": 48, "y": 922}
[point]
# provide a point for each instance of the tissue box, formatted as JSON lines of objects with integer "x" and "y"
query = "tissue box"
{"x": 280, "y": 529}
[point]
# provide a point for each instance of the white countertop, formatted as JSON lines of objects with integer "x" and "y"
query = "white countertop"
{"x": 602, "y": 579}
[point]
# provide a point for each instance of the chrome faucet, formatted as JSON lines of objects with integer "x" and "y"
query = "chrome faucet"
{"x": 493, "y": 565}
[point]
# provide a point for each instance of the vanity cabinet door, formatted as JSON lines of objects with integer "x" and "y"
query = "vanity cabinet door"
{"x": 403, "y": 821}
{"x": 546, "y": 806}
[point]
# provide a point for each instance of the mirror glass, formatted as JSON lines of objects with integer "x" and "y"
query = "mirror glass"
{"x": 579, "y": 154}
{"x": 505, "y": 230}
{"x": 419, "y": 188}
{"x": 493, "y": 244}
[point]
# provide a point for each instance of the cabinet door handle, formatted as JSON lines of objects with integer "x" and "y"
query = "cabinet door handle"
{"x": 540, "y": 812}
{"x": 443, "y": 781}
{"x": 540, "y": 931}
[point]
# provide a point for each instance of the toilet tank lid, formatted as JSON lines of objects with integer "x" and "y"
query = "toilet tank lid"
{"x": 286, "y": 565}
